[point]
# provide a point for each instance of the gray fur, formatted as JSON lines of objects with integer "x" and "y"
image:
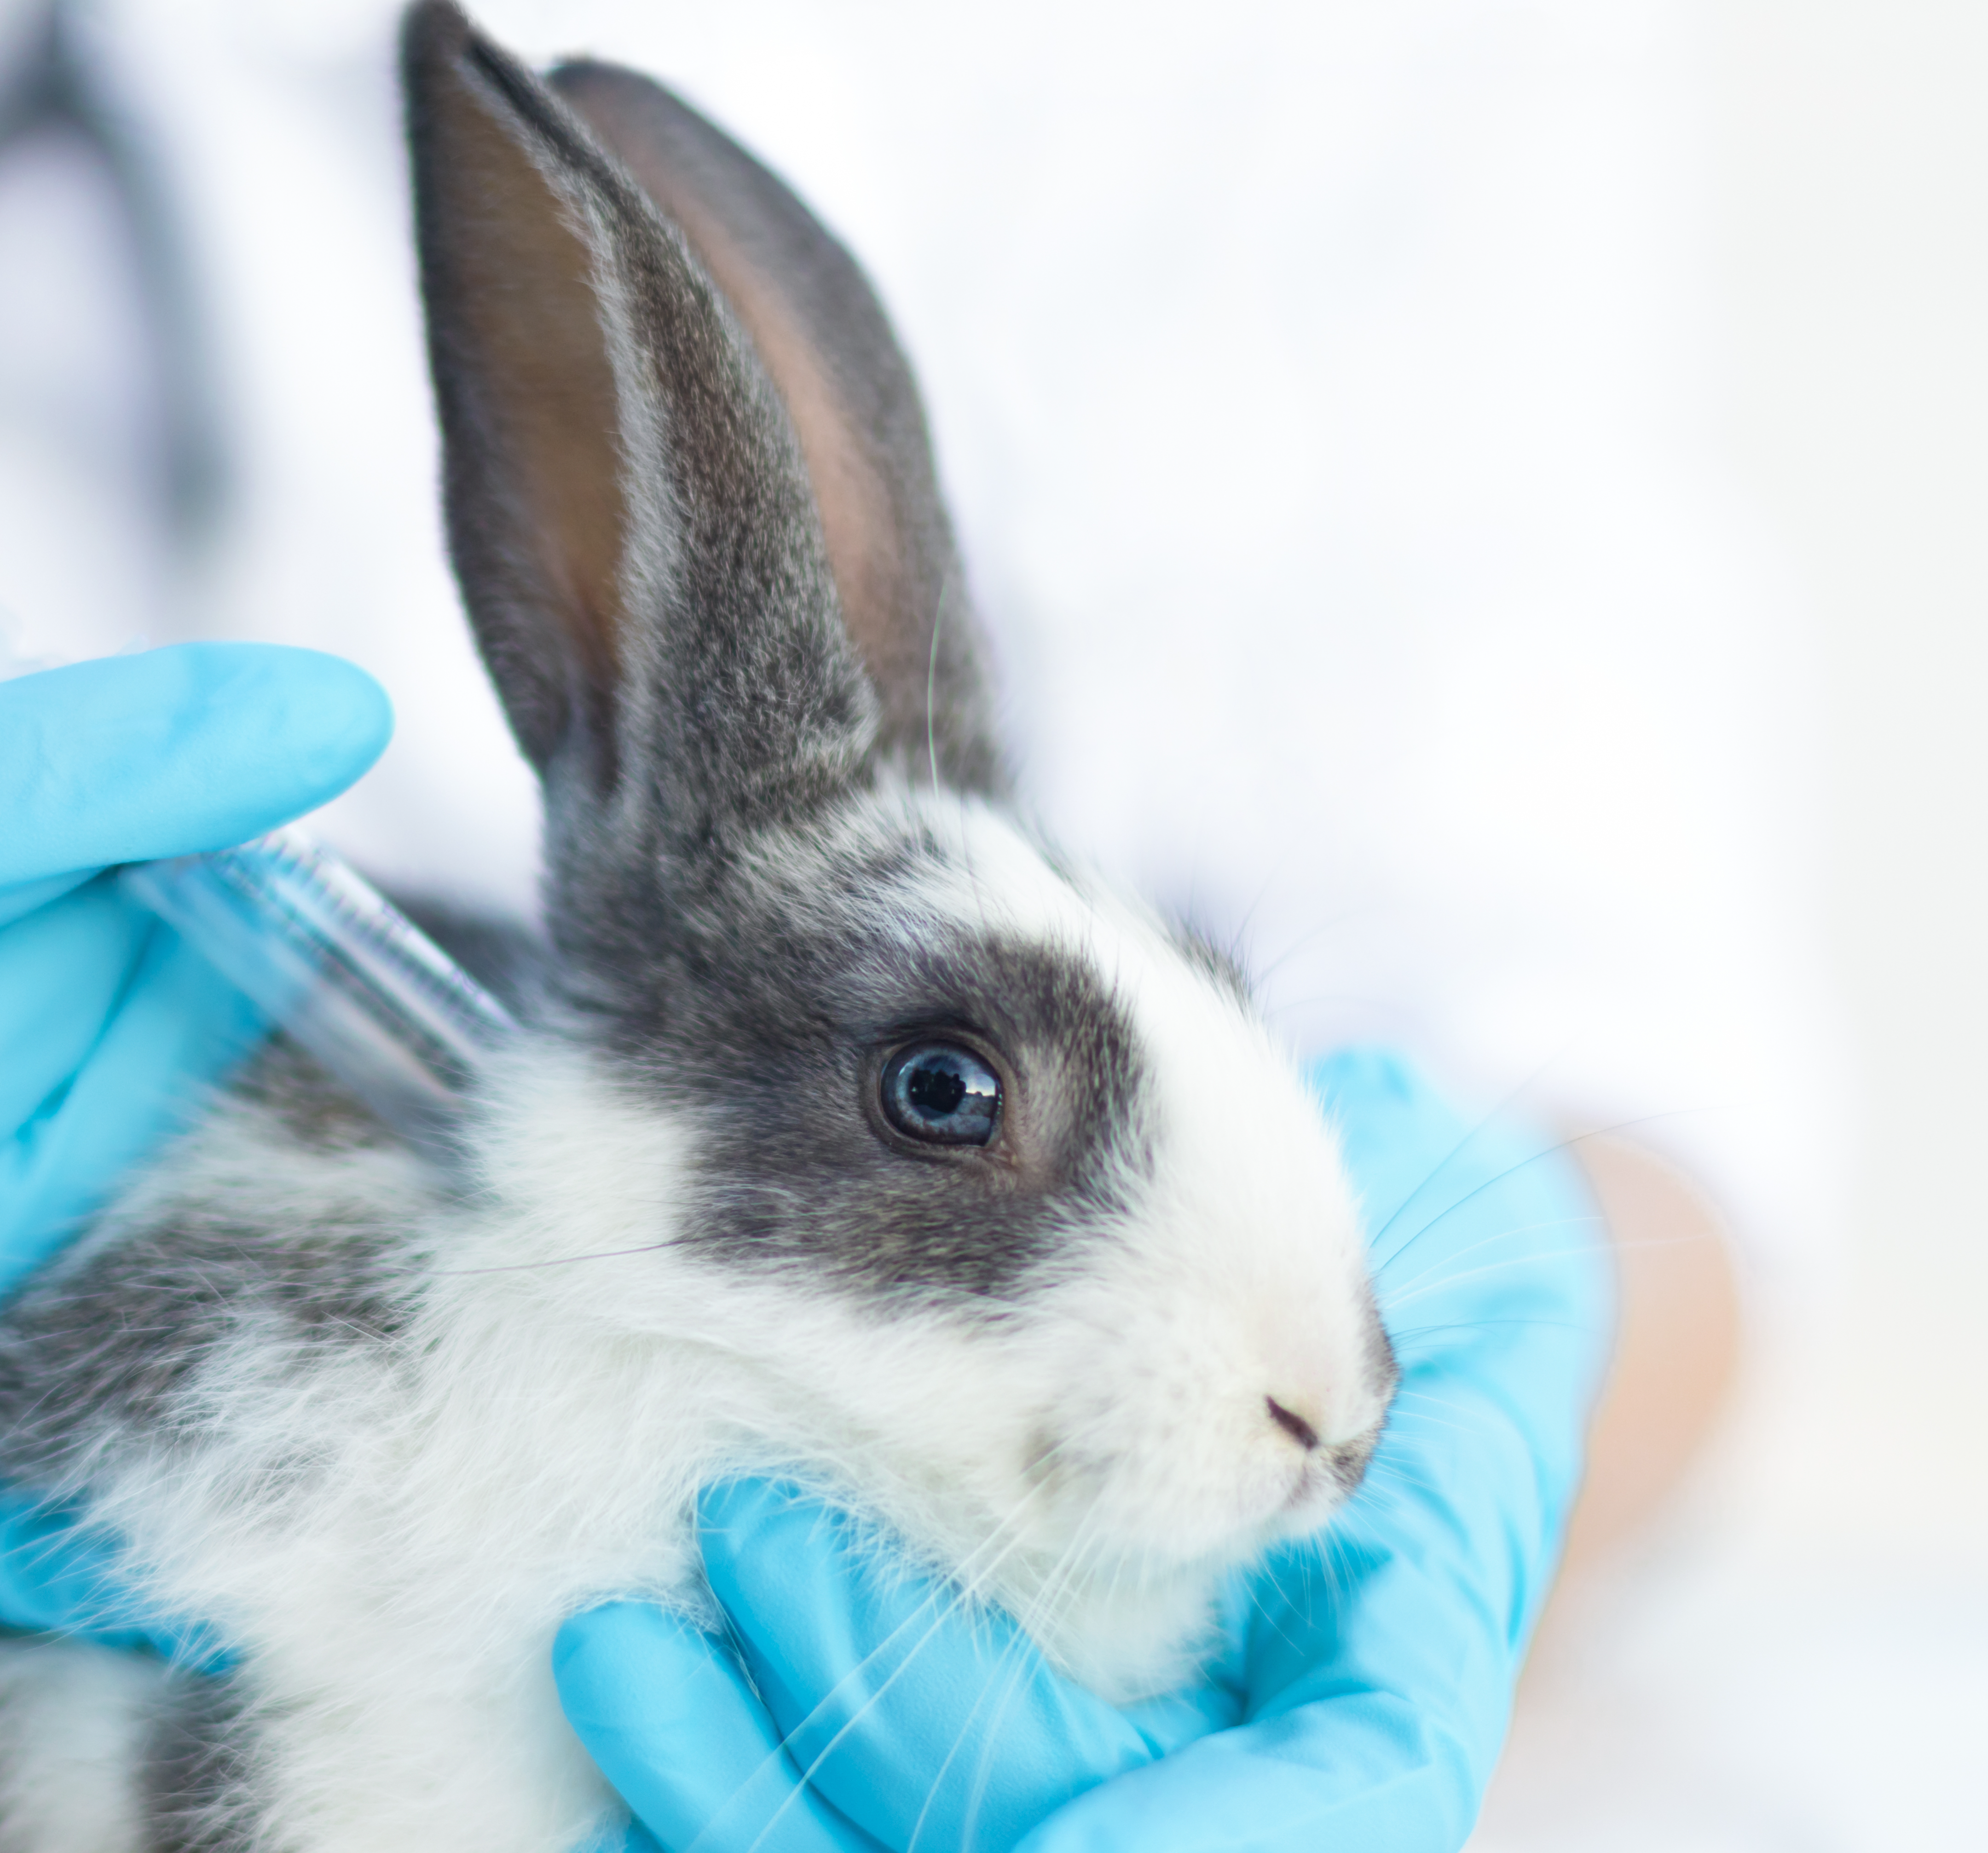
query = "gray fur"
{"x": 828, "y": 345}
{"x": 199, "y": 1786}
{"x": 685, "y": 663}
{"x": 791, "y": 1019}
{"x": 104, "y": 1346}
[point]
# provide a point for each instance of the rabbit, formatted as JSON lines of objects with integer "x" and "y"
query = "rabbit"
{"x": 850, "y": 1135}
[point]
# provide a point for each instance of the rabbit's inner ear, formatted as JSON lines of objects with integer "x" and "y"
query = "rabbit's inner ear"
{"x": 537, "y": 509}
{"x": 850, "y": 493}
{"x": 823, "y": 339}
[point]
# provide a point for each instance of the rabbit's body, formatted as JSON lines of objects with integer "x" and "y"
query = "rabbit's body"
{"x": 851, "y": 1138}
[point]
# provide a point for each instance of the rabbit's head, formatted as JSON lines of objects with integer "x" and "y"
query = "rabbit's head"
{"x": 987, "y": 1190}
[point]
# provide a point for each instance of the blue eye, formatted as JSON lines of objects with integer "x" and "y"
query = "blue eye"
{"x": 942, "y": 1094}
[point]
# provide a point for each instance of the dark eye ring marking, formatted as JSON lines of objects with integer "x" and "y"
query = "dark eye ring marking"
{"x": 941, "y": 1094}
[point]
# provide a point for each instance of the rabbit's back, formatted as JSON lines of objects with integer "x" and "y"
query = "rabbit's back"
{"x": 173, "y": 1374}
{"x": 274, "y": 1237}
{"x": 240, "y": 1375}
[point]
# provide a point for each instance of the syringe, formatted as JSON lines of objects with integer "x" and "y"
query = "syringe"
{"x": 329, "y": 958}
{"x": 346, "y": 974}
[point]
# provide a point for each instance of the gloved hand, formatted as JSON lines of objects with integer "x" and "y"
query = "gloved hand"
{"x": 107, "y": 1022}
{"x": 1362, "y": 1697}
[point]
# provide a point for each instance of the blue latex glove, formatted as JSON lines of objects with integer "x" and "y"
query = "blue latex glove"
{"x": 1362, "y": 1699}
{"x": 108, "y": 1023}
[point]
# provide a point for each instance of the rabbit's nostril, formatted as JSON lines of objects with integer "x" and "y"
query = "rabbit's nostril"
{"x": 1292, "y": 1424}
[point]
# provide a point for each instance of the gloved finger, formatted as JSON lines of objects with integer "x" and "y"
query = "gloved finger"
{"x": 63, "y": 971}
{"x": 179, "y": 1024}
{"x": 667, "y": 1713}
{"x": 1385, "y": 1658}
{"x": 26, "y": 898}
{"x": 191, "y": 747}
{"x": 56, "y": 1576}
{"x": 1494, "y": 1278}
{"x": 1382, "y": 1661}
{"x": 1365, "y": 1773}
{"x": 931, "y": 1723}
{"x": 1479, "y": 1230}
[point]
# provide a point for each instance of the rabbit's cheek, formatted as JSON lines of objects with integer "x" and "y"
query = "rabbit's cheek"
{"x": 1189, "y": 1469}
{"x": 1223, "y": 1382}
{"x": 583, "y": 1181}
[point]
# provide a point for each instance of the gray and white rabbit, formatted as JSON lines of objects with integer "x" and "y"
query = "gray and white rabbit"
{"x": 851, "y": 1135}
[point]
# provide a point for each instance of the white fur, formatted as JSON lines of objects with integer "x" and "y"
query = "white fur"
{"x": 73, "y": 1720}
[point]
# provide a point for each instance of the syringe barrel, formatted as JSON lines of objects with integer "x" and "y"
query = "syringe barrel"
{"x": 344, "y": 972}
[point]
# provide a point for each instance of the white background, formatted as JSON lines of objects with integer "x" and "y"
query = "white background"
{"x": 1800, "y": 1664}
{"x": 1489, "y": 495}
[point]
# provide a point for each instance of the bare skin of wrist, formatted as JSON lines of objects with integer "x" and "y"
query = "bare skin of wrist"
{"x": 1678, "y": 1344}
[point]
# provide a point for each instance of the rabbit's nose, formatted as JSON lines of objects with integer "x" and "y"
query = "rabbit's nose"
{"x": 1292, "y": 1424}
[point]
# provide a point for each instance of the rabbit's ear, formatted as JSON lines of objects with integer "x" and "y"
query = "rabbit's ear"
{"x": 822, "y": 334}
{"x": 628, "y": 511}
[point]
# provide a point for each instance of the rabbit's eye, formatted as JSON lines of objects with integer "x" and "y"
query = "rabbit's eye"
{"x": 942, "y": 1094}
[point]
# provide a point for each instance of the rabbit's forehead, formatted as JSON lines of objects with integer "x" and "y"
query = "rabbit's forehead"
{"x": 967, "y": 868}
{"x": 990, "y": 880}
